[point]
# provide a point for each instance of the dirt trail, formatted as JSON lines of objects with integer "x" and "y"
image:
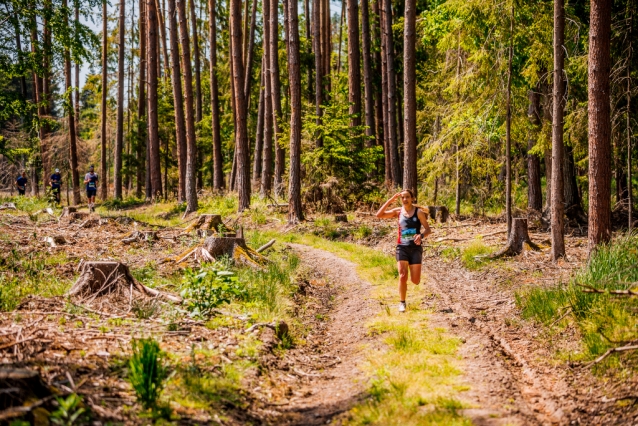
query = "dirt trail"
{"x": 323, "y": 393}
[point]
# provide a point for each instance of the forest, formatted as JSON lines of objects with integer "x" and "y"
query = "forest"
{"x": 241, "y": 150}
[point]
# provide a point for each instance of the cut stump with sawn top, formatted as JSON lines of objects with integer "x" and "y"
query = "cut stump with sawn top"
{"x": 518, "y": 238}
{"x": 236, "y": 249}
{"x": 206, "y": 222}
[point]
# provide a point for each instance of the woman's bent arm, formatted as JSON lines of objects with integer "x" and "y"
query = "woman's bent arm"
{"x": 383, "y": 213}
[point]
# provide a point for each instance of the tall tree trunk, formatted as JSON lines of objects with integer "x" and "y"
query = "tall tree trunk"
{"x": 367, "y": 73}
{"x": 72, "y": 136}
{"x": 191, "y": 143}
{"x": 508, "y": 130}
{"x": 599, "y": 124}
{"x": 180, "y": 126}
{"x": 141, "y": 104}
{"x": 77, "y": 82}
{"x": 198, "y": 80}
{"x": 391, "y": 95}
{"x": 409, "y": 93}
{"x": 309, "y": 61}
{"x": 119, "y": 138}
{"x": 266, "y": 168}
{"x": 37, "y": 98}
{"x": 558, "y": 149}
{"x": 534, "y": 191}
{"x": 327, "y": 40}
{"x": 630, "y": 198}
{"x": 103, "y": 172}
{"x": 376, "y": 81}
{"x": 457, "y": 209}
{"x": 384, "y": 95}
{"x": 249, "y": 55}
{"x": 354, "y": 66}
{"x": 163, "y": 39}
{"x": 153, "y": 116}
{"x": 295, "y": 213}
{"x": 570, "y": 193}
{"x": 241, "y": 130}
{"x": 244, "y": 33}
{"x": 318, "y": 67}
{"x": 218, "y": 167}
{"x": 343, "y": 12}
{"x": 259, "y": 133}
{"x": 275, "y": 87}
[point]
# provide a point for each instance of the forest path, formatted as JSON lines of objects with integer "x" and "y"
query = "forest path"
{"x": 330, "y": 391}
{"x": 496, "y": 394}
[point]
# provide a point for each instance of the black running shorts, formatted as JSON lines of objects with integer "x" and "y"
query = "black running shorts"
{"x": 412, "y": 254}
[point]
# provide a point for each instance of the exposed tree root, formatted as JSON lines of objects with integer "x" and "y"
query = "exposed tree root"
{"x": 518, "y": 239}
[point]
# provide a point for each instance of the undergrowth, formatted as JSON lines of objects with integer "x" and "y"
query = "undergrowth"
{"x": 604, "y": 320}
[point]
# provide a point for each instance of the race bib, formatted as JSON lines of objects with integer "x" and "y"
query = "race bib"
{"x": 408, "y": 234}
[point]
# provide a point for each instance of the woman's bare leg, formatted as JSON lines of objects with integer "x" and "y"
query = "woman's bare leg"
{"x": 415, "y": 273}
{"x": 402, "y": 265}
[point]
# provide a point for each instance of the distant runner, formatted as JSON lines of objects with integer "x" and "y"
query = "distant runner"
{"x": 90, "y": 179}
{"x": 56, "y": 183}
{"x": 409, "y": 250}
{"x": 21, "y": 183}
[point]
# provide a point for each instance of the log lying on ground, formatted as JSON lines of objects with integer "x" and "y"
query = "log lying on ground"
{"x": 439, "y": 214}
{"x": 114, "y": 280}
{"x": 206, "y": 221}
{"x": 139, "y": 236}
{"x": 266, "y": 246}
{"x": 236, "y": 249}
{"x": 517, "y": 240}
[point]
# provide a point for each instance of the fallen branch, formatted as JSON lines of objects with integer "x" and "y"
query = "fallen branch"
{"x": 493, "y": 233}
{"x": 590, "y": 289}
{"x": 620, "y": 398}
{"x": 17, "y": 342}
{"x": 611, "y": 351}
{"x": 12, "y": 412}
{"x": 567, "y": 312}
{"x": 440, "y": 240}
{"x": 266, "y": 246}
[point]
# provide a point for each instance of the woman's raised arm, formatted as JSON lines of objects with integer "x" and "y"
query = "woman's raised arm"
{"x": 383, "y": 213}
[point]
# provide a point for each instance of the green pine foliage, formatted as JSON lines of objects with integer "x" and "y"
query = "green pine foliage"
{"x": 147, "y": 371}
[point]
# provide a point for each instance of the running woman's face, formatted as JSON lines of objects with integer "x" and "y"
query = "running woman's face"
{"x": 406, "y": 199}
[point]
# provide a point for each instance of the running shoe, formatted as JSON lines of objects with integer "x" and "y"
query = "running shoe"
{"x": 402, "y": 307}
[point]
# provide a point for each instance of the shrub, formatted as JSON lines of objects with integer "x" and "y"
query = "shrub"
{"x": 362, "y": 232}
{"x": 147, "y": 371}
{"x": 209, "y": 288}
{"x": 71, "y": 411}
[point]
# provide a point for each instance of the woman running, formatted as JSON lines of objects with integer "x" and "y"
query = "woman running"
{"x": 409, "y": 249}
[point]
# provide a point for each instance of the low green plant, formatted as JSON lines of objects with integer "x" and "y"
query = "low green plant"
{"x": 363, "y": 231}
{"x": 147, "y": 371}
{"x": 144, "y": 309}
{"x": 208, "y": 288}
{"x": 70, "y": 411}
{"x": 475, "y": 255}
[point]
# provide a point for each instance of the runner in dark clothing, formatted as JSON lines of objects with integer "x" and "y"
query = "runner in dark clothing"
{"x": 56, "y": 183}
{"x": 91, "y": 179}
{"x": 21, "y": 183}
{"x": 409, "y": 253}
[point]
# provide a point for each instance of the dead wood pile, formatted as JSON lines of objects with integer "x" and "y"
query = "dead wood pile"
{"x": 109, "y": 288}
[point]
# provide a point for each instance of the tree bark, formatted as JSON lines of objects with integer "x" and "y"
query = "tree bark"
{"x": 259, "y": 133}
{"x": 72, "y": 136}
{"x": 409, "y": 94}
{"x": 384, "y": 94}
{"x": 508, "y": 130}
{"x": 307, "y": 20}
{"x": 241, "y": 130}
{"x": 572, "y": 203}
{"x": 599, "y": 124}
{"x": 249, "y": 55}
{"x": 266, "y": 168}
{"x": 153, "y": 115}
{"x": 295, "y": 212}
{"x": 178, "y": 107}
{"x": 343, "y": 13}
{"x": 630, "y": 198}
{"x": 198, "y": 80}
{"x": 191, "y": 143}
{"x": 103, "y": 173}
{"x": 276, "y": 94}
{"x": 218, "y": 171}
{"x": 391, "y": 95}
{"x": 534, "y": 191}
{"x": 119, "y": 139}
{"x": 354, "y": 66}
{"x": 141, "y": 102}
{"x": 318, "y": 67}
{"x": 162, "y": 27}
{"x": 367, "y": 73}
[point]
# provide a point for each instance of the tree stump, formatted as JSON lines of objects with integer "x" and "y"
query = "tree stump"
{"x": 236, "y": 249}
{"x": 111, "y": 284}
{"x": 68, "y": 210}
{"x": 76, "y": 216}
{"x": 439, "y": 214}
{"x": 21, "y": 387}
{"x": 341, "y": 218}
{"x": 517, "y": 240}
{"x": 206, "y": 221}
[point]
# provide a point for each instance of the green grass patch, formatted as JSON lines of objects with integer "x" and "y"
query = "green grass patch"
{"x": 474, "y": 255}
{"x": 604, "y": 320}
